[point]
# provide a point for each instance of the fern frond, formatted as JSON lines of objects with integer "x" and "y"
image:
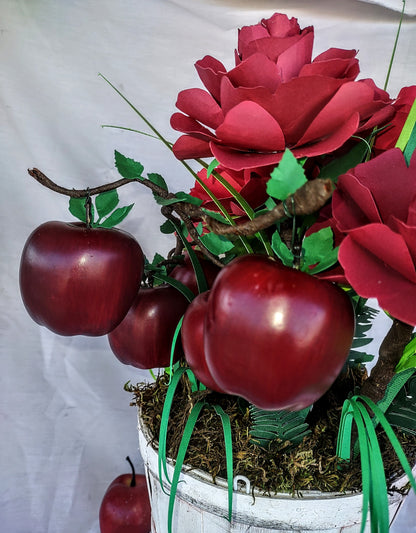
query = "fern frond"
{"x": 284, "y": 425}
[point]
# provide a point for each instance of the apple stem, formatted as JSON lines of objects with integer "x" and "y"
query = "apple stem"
{"x": 133, "y": 476}
{"x": 88, "y": 209}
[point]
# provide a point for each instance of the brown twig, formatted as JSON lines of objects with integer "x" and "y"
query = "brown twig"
{"x": 390, "y": 352}
{"x": 40, "y": 177}
{"x": 184, "y": 210}
{"x": 305, "y": 201}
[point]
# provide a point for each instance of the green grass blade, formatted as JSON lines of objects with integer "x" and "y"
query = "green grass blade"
{"x": 186, "y": 437}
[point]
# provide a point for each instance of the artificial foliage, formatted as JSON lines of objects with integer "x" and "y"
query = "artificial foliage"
{"x": 305, "y": 204}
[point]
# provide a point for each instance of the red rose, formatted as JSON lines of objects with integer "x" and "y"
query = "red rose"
{"x": 251, "y": 187}
{"x": 375, "y": 205}
{"x": 276, "y": 98}
{"x": 387, "y": 138}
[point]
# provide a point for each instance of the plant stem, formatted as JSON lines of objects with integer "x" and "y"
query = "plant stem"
{"x": 133, "y": 472}
{"x": 390, "y": 352}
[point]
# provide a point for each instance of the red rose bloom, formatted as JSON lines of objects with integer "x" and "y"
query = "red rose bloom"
{"x": 375, "y": 206}
{"x": 276, "y": 98}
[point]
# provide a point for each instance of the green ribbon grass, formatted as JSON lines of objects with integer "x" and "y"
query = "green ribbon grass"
{"x": 374, "y": 486}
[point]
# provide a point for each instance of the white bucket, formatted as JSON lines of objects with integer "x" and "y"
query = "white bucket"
{"x": 202, "y": 507}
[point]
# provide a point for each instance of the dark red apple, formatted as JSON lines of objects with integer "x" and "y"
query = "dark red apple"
{"x": 125, "y": 507}
{"x": 185, "y": 272}
{"x": 274, "y": 335}
{"x": 77, "y": 280}
{"x": 192, "y": 333}
{"x": 144, "y": 337}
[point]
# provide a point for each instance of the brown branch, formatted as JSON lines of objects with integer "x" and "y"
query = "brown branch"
{"x": 390, "y": 352}
{"x": 81, "y": 193}
{"x": 184, "y": 210}
{"x": 305, "y": 201}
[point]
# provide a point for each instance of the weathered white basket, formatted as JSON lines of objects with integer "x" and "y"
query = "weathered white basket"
{"x": 202, "y": 507}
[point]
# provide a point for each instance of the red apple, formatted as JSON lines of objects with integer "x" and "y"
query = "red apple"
{"x": 274, "y": 335}
{"x": 185, "y": 273}
{"x": 77, "y": 280}
{"x": 193, "y": 340}
{"x": 144, "y": 338}
{"x": 125, "y": 507}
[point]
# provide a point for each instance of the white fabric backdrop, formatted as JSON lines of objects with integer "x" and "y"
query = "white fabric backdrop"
{"x": 66, "y": 424}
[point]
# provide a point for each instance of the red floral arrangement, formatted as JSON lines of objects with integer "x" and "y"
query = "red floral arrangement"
{"x": 306, "y": 210}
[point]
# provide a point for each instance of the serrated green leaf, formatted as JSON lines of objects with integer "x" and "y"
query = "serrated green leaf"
{"x": 318, "y": 249}
{"x": 184, "y": 197}
{"x": 116, "y": 216}
{"x": 286, "y": 178}
{"x": 281, "y": 250}
{"x": 128, "y": 168}
{"x": 157, "y": 179}
{"x": 167, "y": 227}
{"x": 106, "y": 202}
{"x": 77, "y": 208}
{"x": 216, "y": 244}
{"x": 270, "y": 203}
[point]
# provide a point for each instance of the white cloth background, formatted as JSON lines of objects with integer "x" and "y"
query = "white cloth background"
{"x": 66, "y": 424}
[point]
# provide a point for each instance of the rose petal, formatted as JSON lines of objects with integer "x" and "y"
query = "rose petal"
{"x": 335, "y": 63}
{"x": 348, "y": 99}
{"x": 331, "y": 142}
{"x": 372, "y": 278}
{"x": 187, "y": 147}
{"x": 391, "y": 197}
{"x": 291, "y": 61}
{"x": 353, "y": 204}
{"x": 248, "y": 126}
{"x": 237, "y": 160}
{"x": 298, "y": 102}
{"x": 255, "y": 71}
{"x": 210, "y": 72}
{"x": 407, "y": 232}
{"x": 201, "y": 106}
{"x": 279, "y": 25}
{"x": 384, "y": 244}
{"x": 232, "y": 96}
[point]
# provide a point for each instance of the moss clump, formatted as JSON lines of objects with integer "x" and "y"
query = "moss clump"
{"x": 312, "y": 465}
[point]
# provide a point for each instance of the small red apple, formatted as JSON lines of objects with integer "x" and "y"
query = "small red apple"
{"x": 192, "y": 333}
{"x": 77, "y": 280}
{"x": 144, "y": 337}
{"x": 125, "y": 507}
{"x": 185, "y": 273}
{"x": 274, "y": 335}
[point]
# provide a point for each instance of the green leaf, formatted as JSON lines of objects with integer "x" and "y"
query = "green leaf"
{"x": 184, "y": 197}
{"x": 286, "y": 178}
{"x": 318, "y": 249}
{"x": 106, "y": 202}
{"x": 215, "y": 215}
{"x": 212, "y": 166}
{"x": 281, "y": 250}
{"x": 116, "y": 216}
{"x": 128, "y": 168}
{"x": 408, "y": 359}
{"x": 216, "y": 244}
{"x": 77, "y": 208}
{"x": 167, "y": 227}
{"x": 340, "y": 166}
{"x": 157, "y": 179}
